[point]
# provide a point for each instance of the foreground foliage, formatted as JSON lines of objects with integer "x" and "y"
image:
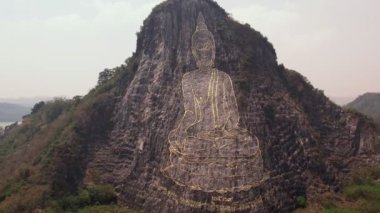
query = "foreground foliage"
{"x": 360, "y": 194}
{"x": 86, "y": 198}
{"x": 106, "y": 208}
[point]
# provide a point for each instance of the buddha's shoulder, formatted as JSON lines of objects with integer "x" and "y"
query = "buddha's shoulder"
{"x": 188, "y": 75}
{"x": 191, "y": 74}
{"x": 223, "y": 75}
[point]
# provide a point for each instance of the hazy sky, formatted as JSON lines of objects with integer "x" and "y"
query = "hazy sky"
{"x": 58, "y": 47}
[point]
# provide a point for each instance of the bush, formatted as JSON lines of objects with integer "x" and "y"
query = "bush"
{"x": 54, "y": 109}
{"x": 368, "y": 192}
{"x": 96, "y": 195}
{"x": 106, "y": 208}
{"x": 24, "y": 172}
{"x": 37, "y": 107}
{"x": 301, "y": 201}
{"x": 11, "y": 188}
{"x": 84, "y": 198}
{"x": 70, "y": 203}
{"x": 361, "y": 176}
{"x": 29, "y": 198}
{"x": 102, "y": 194}
{"x": 105, "y": 76}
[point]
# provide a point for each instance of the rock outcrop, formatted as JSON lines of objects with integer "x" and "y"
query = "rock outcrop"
{"x": 305, "y": 140}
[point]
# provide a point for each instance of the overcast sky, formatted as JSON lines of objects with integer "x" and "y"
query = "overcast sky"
{"x": 57, "y": 48}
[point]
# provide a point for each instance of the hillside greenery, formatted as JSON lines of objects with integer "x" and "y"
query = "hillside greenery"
{"x": 43, "y": 160}
{"x": 361, "y": 193}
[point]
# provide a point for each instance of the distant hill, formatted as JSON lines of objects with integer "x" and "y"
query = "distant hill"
{"x": 12, "y": 112}
{"x": 26, "y": 101}
{"x": 341, "y": 101}
{"x": 368, "y": 104}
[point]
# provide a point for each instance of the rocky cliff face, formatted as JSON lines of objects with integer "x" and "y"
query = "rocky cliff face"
{"x": 305, "y": 140}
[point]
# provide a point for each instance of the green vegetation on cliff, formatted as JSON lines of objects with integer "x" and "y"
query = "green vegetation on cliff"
{"x": 43, "y": 160}
{"x": 361, "y": 193}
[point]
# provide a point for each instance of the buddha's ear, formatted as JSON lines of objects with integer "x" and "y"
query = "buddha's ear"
{"x": 193, "y": 51}
{"x": 213, "y": 53}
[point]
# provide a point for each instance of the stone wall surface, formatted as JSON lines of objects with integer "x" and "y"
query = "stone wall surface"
{"x": 303, "y": 137}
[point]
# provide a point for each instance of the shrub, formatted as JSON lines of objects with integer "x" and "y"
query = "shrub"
{"x": 301, "y": 201}
{"x": 26, "y": 200}
{"x": 12, "y": 187}
{"x": 96, "y": 195}
{"x": 37, "y": 107}
{"x": 102, "y": 194}
{"x": 106, "y": 208}
{"x": 24, "y": 172}
{"x": 364, "y": 176}
{"x": 84, "y": 198}
{"x": 54, "y": 109}
{"x": 105, "y": 76}
{"x": 70, "y": 203}
{"x": 369, "y": 191}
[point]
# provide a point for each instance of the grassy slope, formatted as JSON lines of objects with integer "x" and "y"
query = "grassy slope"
{"x": 44, "y": 158}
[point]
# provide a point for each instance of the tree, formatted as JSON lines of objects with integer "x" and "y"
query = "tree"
{"x": 106, "y": 75}
{"x": 37, "y": 107}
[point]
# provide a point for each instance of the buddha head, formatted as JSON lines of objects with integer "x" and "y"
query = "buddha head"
{"x": 203, "y": 45}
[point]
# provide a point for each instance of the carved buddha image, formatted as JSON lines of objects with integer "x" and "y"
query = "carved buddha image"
{"x": 208, "y": 149}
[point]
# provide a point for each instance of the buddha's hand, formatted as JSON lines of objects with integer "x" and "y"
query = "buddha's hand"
{"x": 218, "y": 132}
{"x": 191, "y": 131}
{"x": 235, "y": 133}
{"x": 213, "y": 134}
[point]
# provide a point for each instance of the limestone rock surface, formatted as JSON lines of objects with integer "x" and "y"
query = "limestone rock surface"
{"x": 305, "y": 140}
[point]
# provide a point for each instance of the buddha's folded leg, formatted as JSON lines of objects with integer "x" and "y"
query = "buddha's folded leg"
{"x": 226, "y": 163}
{"x": 247, "y": 147}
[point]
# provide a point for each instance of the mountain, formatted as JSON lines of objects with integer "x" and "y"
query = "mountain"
{"x": 368, "y": 104}
{"x": 179, "y": 129}
{"x": 341, "y": 101}
{"x": 12, "y": 112}
{"x": 27, "y": 102}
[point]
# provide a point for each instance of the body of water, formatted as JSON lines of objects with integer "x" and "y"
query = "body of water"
{"x": 4, "y": 124}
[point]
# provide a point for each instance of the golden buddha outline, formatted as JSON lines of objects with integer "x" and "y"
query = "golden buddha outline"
{"x": 208, "y": 149}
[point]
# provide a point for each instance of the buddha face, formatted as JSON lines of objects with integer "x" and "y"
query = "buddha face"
{"x": 203, "y": 49}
